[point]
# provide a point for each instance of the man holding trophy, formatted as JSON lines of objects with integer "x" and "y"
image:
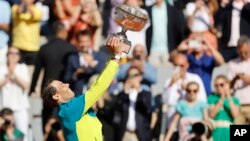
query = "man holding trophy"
{"x": 78, "y": 119}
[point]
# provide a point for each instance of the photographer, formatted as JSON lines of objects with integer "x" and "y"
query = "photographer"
{"x": 53, "y": 130}
{"x": 8, "y": 131}
{"x": 202, "y": 58}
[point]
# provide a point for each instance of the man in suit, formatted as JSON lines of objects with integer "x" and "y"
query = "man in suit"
{"x": 165, "y": 33}
{"x": 52, "y": 57}
{"x": 83, "y": 64}
{"x": 235, "y": 23}
{"x": 132, "y": 109}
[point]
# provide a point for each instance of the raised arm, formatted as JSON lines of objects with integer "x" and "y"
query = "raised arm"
{"x": 107, "y": 75}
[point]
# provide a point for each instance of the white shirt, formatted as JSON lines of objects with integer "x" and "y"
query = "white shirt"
{"x": 241, "y": 89}
{"x": 11, "y": 94}
{"x": 175, "y": 92}
{"x": 131, "y": 126}
{"x": 235, "y": 27}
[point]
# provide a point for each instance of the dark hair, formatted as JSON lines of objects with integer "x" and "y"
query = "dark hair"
{"x": 6, "y": 111}
{"x": 58, "y": 27}
{"x": 83, "y": 33}
{"x": 243, "y": 40}
{"x": 47, "y": 94}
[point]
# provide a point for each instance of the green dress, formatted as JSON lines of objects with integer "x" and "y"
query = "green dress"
{"x": 222, "y": 133}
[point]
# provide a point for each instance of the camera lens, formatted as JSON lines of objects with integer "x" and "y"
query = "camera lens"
{"x": 198, "y": 128}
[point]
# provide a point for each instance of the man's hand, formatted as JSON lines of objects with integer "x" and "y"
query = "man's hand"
{"x": 115, "y": 45}
{"x": 244, "y": 77}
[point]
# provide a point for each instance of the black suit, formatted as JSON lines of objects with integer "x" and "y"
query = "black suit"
{"x": 175, "y": 29}
{"x": 142, "y": 116}
{"x": 52, "y": 58}
{"x": 225, "y": 22}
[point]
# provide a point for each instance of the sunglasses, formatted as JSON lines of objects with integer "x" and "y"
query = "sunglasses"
{"x": 219, "y": 85}
{"x": 13, "y": 53}
{"x": 133, "y": 75}
{"x": 192, "y": 91}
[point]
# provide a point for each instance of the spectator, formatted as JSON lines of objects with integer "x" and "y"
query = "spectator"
{"x": 8, "y": 130}
{"x": 188, "y": 111}
{"x": 66, "y": 11}
{"x": 176, "y": 85}
{"x": 240, "y": 76}
{"x": 165, "y": 33}
{"x": 149, "y": 76}
{"x": 14, "y": 84}
{"x": 88, "y": 19}
{"x": 53, "y": 130}
{"x": 4, "y": 29}
{"x": 52, "y": 55}
{"x": 134, "y": 107}
{"x": 200, "y": 21}
{"x": 223, "y": 109}
{"x": 198, "y": 52}
{"x": 26, "y": 30}
{"x": 82, "y": 65}
{"x": 234, "y": 24}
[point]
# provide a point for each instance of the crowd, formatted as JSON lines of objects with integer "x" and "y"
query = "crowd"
{"x": 65, "y": 40}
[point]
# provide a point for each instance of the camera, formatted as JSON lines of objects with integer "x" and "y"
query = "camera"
{"x": 194, "y": 44}
{"x": 6, "y": 123}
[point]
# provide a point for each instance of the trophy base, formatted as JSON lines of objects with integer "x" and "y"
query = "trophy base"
{"x": 126, "y": 42}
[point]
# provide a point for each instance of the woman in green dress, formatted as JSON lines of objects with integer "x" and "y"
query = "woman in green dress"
{"x": 223, "y": 108}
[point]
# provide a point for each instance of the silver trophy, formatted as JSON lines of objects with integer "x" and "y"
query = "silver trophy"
{"x": 129, "y": 18}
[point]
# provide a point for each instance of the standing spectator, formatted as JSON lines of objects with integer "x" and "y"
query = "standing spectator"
{"x": 4, "y": 29}
{"x": 223, "y": 109}
{"x": 8, "y": 131}
{"x": 240, "y": 76}
{"x": 176, "y": 85}
{"x": 52, "y": 55}
{"x": 134, "y": 108}
{"x": 200, "y": 61}
{"x": 26, "y": 30}
{"x": 83, "y": 64}
{"x": 188, "y": 111}
{"x": 88, "y": 19}
{"x": 165, "y": 33}
{"x": 149, "y": 76}
{"x": 235, "y": 23}
{"x": 14, "y": 84}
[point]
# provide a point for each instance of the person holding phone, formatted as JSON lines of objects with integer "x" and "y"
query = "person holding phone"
{"x": 202, "y": 58}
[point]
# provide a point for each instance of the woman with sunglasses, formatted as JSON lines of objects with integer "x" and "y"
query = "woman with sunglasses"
{"x": 14, "y": 84}
{"x": 223, "y": 108}
{"x": 188, "y": 111}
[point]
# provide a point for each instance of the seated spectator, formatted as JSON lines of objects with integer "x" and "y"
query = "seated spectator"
{"x": 14, "y": 84}
{"x": 26, "y": 30}
{"x": 202, "y": 58}
{"x": 240, "y": 75}
{"x": 8, "y": 130}
{"x": 224, "y": 108}
{"x": 175, "y": 86}
{"x": 188, "y": 111}
{"x": 83, "y": 64}
{"x": 133, "y": 109}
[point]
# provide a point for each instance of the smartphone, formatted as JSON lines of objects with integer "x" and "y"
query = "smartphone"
{"x": 194, "y": 44}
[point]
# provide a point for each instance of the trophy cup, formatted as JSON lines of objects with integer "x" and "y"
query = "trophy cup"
{"x": 129, "y": 18}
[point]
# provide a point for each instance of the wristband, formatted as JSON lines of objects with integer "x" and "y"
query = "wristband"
{"x": 116, "y": 56}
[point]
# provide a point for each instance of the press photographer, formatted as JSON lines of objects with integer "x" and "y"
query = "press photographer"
{"x": 8, "y": 131}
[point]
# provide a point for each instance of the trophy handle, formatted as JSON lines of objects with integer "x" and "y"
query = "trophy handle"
{"x": 126, "y": 42}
